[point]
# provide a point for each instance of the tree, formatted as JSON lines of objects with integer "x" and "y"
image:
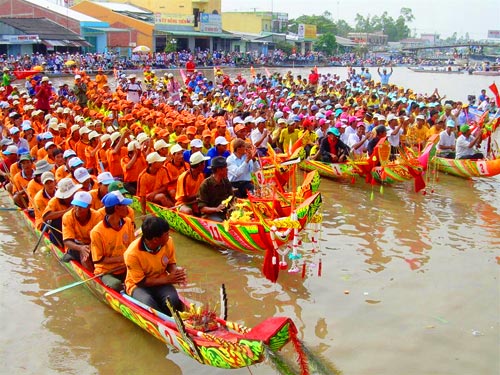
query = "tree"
{"x": 284, "y": 46}
{"x": 394, "y": 29}
{"x": 343, "y": 28}
{"x": 326, "y": 43}
{"x": 324, "y": 23}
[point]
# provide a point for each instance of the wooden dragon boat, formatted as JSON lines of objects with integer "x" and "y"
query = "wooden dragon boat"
{"x": 467, "y": 168}
{"x": 252, "y": 229}
{"x": 197, "y": 332}
{"x": 334, "y": 171}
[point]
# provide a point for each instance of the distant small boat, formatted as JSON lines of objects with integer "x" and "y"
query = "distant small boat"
{"x": 440, "y": 70}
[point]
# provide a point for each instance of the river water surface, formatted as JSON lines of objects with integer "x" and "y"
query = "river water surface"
{"x": 409, "y": 285}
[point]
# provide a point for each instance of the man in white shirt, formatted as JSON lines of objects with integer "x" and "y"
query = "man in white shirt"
{"x": 466, "y": 143}
{"x": 394, "y": 132}
{"x": 359, "y": 140}
{"x": 133, "y": 89}
{"x": 240, "y": 165}
{"x": 260, "y": 136}
{"x": 447, "y": 140}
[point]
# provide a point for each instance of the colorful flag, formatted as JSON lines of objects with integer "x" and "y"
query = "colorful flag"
{"x": 493, "y": 87}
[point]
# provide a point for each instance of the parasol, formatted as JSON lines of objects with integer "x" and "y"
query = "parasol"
{"x": 141, "y": 49}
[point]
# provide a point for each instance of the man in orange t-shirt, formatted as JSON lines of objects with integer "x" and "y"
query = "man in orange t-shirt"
{"x": 188, "y": 184}
{"x": 76, "y": 226}
{"x": 110, "y": 238}
{"x": 41, "y": 199}
{"x": 58, "y": 206}
{"x": 151, "y": 267}
{"x": 175, "y": 168}
{"x": 133, "y": 164}
{"x": 152, "y": 182}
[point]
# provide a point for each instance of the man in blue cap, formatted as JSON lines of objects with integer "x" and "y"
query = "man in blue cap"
{"x": 110, "y": 238}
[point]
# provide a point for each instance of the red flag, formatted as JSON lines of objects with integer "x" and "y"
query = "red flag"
{"x": 417, "y": 175}
{"x": 493, "y": 87}
{"x": 20, "y": 74}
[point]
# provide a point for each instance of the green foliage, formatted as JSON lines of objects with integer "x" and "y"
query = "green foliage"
{"x": 171, "y": 46}
{"x": 324, "y": 23}
{"x": 395, "y": 29}
{"x": 285, "y": 47}
{"x": 326, "y": 43}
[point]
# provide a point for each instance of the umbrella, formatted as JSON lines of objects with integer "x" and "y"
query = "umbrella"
{"x": 70, "y": 63}
{"x": 38, "y": 68}
{"x": 141, "y": 49}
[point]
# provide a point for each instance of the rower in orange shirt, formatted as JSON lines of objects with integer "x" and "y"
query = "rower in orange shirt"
{"x": 133, "y": 164}
{"x": 188, "y": 184}
{"x": 110, "y": 238}
{"x": 103, "y": 181}
{"x": 64, "y": 170}
{"x": 35, "y": 185}
{"x": 41, "y": 199}
{"x": 81, "y": 145}
{"x": 76, "y": 226}
{"x": 175, "y": 168}
{"x": 152, "y": 182}
{"x": 21, "y": 180}
{"x": 116, "y": 152}
{"x": 91, "y": 150}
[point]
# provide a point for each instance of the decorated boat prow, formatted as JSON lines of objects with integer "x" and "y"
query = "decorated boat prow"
{"x": 248, "y": 230}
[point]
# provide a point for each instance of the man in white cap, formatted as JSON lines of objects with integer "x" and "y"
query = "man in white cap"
{"x": 394, "y": 132}
{"x": 35, "y": 185}
{"x": 173, "y": 87}
{"x": 43, "y": 92}
{"x": 16, "y": 138}
{"x": 76, "y": 226}
{"x": 82, "y": 176}
{"x": 447, "y": 141}
{"x": 188, "y": 184}
{"x": 133, "y": 89}
{"x": 58, "y": 206}
{"x": 104, "y": 179}
{"x": 10, "y": 158}
{"x": 220, "y": 149}
{"x": 152, "y": 185}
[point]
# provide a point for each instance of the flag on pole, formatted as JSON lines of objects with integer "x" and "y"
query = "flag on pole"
{"x": 183, "y": 76}
{"x": 493, "y": 87}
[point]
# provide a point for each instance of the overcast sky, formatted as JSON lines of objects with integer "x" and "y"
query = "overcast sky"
{"x": 443, "y": 17}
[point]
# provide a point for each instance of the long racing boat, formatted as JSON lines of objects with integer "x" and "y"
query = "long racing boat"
{"x": 197, "y": 332}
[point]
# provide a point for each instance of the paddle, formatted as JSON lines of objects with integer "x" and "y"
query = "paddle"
{"x": 10, "y": 209}
{"x": 45, "y": 227}
{"x": 69, "y": 286}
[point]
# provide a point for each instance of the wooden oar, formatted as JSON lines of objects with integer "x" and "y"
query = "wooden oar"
{"x": 54, "y": 291}
{"x": 10, "y": 209}
{"x": 45, "y": 227}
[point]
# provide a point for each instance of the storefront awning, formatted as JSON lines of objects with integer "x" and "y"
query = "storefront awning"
{"x": 108, "y": 29}
{"x": 66, "y": 43}
{"x": 195, "y": 34}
